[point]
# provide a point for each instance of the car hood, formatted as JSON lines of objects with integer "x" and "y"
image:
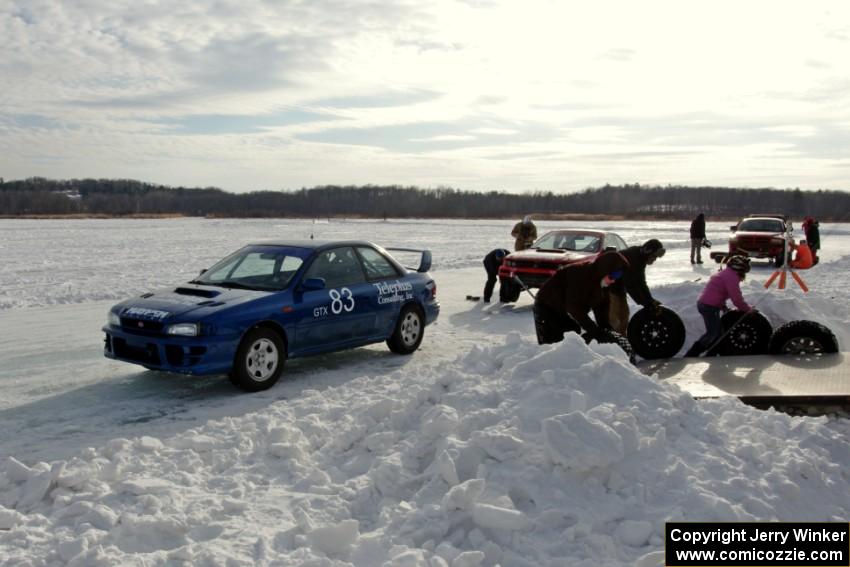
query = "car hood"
{"x": 173, "y": 303}
{"x": 548, "y": 255}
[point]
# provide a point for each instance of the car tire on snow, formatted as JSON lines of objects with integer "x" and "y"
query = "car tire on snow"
{"x": 750, "y": 336}
{"x": 409, "y": 330}
{"x": 803, "y": 338}
{"x": 259, "y": 360}
{"x": 509, "y": 291}
{"x": 656, "y": 335}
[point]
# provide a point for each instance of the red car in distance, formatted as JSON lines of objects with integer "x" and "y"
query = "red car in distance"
{"x": 551, "y": 251}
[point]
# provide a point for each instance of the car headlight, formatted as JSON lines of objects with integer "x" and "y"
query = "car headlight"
{"x": 183, "y": 329}
{"x": 113, "y": 319}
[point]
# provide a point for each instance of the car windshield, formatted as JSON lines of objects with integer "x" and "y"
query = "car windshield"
{"x": 259, "y": 267}
{"x": 762, "y": 225}
{"x": 566, "y": 240}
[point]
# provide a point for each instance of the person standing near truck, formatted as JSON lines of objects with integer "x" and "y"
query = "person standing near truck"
{"x": 525, "y": 233}
{"x": 811, "y": 228}
{"x": 697, "y": 237}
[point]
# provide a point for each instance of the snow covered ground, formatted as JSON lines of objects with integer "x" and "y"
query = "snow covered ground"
{"x": 480, "y": 449}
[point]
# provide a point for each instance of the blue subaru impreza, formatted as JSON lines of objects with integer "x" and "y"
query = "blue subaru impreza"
{"x": 271, "y": 301}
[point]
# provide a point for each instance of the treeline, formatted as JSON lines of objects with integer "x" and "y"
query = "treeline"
{"x": 115, "y": 197}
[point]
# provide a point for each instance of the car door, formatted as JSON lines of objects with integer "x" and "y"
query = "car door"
{"x": 389, "y": 291}
{"x": 340, "y": 314}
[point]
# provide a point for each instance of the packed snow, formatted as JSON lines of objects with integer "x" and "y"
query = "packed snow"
{"x": 480, "y": 449}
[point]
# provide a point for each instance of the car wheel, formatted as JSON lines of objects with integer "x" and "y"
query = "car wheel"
{"x": 509, "y": 291}
{"x": 778, "y": 261}
{"x": 803, "y": 338}
{"x": 408, "y": 332}
{"x": 750, "y": 336}
{"x": 259, "y": 360}
{"x": 656, "y": 335}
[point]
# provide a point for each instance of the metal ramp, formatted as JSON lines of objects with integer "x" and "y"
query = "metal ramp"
{"x": 760, "y": 380}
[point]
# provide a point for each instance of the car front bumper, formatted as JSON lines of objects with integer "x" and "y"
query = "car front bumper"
{"x": 184, "y": 355}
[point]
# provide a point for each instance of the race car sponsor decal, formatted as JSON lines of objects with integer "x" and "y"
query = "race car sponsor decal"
{"x": 392, "y": 292}
{"x": 341, "y": 300}
{"x": 144, "y": 313}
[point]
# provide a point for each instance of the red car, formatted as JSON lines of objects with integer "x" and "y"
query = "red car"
{"x": 759, "y": 236}
{"x": 554, "y": 249}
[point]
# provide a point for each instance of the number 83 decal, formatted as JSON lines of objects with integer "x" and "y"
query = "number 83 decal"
{"x": 341, "y": 299}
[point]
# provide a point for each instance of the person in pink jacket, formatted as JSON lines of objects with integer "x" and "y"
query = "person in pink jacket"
{"x": 725, "y": 284}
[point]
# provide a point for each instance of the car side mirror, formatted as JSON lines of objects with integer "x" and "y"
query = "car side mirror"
{"x": 733, "y": 228}
{"x": 313, "y": 284}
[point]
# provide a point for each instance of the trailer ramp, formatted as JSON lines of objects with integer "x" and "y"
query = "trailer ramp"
{"x": 760, "y": 380}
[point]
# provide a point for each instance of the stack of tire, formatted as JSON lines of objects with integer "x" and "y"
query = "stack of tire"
{"x": 661, "y": 334}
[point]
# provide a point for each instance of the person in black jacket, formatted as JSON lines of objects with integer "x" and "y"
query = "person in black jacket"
{"x": 564, "y": 301}
{"x": 633, "y": 282}
{"x": 697, "y": 236}
{"x": 492, "y": 261}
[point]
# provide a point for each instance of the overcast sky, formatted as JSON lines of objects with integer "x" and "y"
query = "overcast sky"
{"x": 475, "y": 94}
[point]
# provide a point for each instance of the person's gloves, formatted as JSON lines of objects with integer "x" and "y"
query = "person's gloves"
{"x": 656, "y": 306}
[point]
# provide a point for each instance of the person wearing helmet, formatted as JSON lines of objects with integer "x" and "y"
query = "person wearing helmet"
{"x": 525, "y": 233}
{"x": 697, "y": 238}
{"x": 724, "y": 285}
{"x": 492, "y": 261}
{"x": 633, "y": 282}
{"x": 564, "y": 301}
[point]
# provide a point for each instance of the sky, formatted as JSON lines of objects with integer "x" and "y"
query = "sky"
{"x": 474, "y": 94}
{"x": 481, "y": 449}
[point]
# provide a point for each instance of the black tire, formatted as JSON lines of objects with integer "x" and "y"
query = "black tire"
{"x": 803, "y": 338}
{"x": 778, "y": 261}
{"x": 409, "y": 330}
{"x": 509, "y": 291}
{"x": 656, "y": 335}
{"x": 259, "y": 360}
{"x": 750, "y": 336}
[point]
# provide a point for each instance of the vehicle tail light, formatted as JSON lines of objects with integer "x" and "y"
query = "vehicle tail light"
{"x": 433, "y": 287}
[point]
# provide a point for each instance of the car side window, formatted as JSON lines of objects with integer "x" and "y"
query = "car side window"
{"x": 376, "y": 266}
{"x": 338, "y": 267}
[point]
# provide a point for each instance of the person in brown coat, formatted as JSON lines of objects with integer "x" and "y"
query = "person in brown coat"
{"x": 525, "y": 233}
{"x": 563, "y": 303}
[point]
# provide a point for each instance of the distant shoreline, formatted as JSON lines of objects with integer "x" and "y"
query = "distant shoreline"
{"x": 537, "y": 217}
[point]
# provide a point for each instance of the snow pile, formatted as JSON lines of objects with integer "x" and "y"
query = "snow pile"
{"x": 512, "y": 455}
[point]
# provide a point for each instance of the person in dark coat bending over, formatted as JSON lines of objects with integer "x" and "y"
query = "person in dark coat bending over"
{"x": 633, "y": 282}
{"x": 697, "y": 238}
{"x": 564, "y": 301}
{"x": 492, "y": 261}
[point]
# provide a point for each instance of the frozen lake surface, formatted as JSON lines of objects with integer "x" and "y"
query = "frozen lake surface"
{"x": 480, "y": 449}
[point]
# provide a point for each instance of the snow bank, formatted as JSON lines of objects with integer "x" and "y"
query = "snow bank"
{"x": 512, "y": 455}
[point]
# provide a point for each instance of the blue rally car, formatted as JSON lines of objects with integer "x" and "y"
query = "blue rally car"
{"x": 271, "y": 301}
